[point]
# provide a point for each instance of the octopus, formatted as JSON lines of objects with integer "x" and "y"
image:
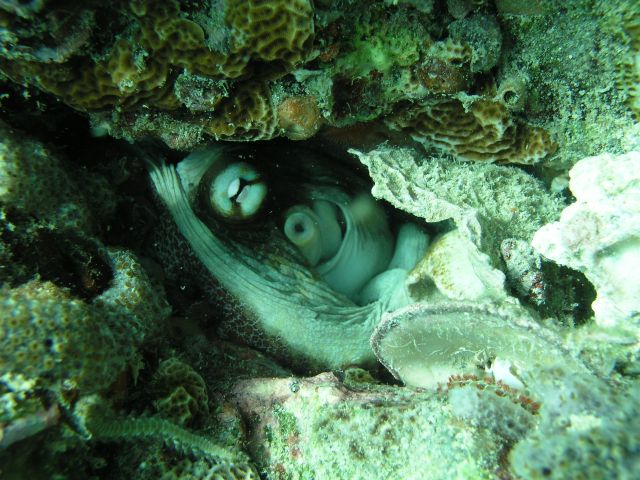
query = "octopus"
{"x": 297, "y": 240}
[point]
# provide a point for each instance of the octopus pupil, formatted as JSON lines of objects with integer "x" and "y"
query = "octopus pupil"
{"x": 298, "y": 227}
{"x": 240, "y": 192}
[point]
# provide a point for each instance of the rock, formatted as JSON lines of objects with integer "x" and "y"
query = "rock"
{"x": 319, "y": 427}
{"x": 599, "y": 234}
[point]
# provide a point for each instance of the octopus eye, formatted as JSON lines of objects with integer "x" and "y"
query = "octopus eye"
{"x": 237, "y": 191}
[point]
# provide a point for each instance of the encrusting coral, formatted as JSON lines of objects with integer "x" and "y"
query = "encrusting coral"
{"x": 59, "y": 340}
{"x": 67, "y": 346}
{"x": 33, "y": 180}
{"x": 49, "y": 333}
{"x": 479, "y": 130}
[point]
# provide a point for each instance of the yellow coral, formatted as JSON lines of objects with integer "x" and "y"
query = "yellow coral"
{"x": 484, "y": 131}
{"x": 272, "y": 31}
{"x": 247, "y": 114}
{"x": 183, "y": 393}
{"x": 141, "y": 66}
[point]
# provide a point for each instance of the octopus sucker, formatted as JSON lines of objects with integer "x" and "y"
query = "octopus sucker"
{"x": 301, "y": 295}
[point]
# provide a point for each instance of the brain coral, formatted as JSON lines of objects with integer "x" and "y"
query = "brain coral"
{"x": 483, "y": 131}
{"x": 254, "y": 70}
{"x": 183, "y": 393}
{"x": 156, "y": 41}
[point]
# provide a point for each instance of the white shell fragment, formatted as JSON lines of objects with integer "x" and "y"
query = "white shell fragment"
{"x": 423, "y": 345}
{"x": 599, "y": 234}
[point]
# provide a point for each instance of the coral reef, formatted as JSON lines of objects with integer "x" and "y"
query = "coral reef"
{"x": 481, "y": 403}
{"x": 557, "y": 49}
{"x": 51, "y": 336}
{"x": 411, "y": 194}
{"x": 257, "y": 70}
{"x": 154, "y": 43}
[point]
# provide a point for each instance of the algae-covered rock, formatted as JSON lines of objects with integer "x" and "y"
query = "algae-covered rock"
{"x": 587, "y": 431}
{"x": 558, "y": 48}
{"x": 319, "y": 428}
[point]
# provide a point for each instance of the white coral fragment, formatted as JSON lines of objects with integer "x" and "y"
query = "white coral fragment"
{"x": 599, "y": 234}
{"x": 460, "y": 270}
